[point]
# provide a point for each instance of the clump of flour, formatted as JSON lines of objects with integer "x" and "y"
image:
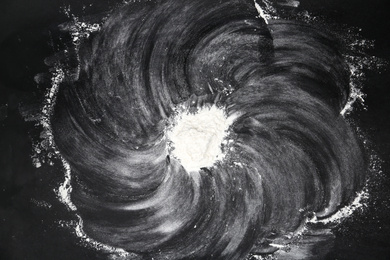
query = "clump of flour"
{"x": 197, "y": 138}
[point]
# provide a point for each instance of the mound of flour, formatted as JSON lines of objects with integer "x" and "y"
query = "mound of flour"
{"x": 197, "y": 138}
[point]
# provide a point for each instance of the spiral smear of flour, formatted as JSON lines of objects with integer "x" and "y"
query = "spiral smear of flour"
{"x": 289, "y": 152}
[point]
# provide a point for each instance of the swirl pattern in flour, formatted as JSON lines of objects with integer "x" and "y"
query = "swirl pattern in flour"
{"x": 286, "y": 81}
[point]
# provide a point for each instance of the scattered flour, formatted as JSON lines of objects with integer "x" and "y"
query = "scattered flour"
{"x": 197, "y": 138}
{"x": 358, "y": 203}
{"x": 266, "y": 10}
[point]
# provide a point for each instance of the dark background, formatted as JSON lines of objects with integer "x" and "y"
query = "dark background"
{"x": 30, "y": 231}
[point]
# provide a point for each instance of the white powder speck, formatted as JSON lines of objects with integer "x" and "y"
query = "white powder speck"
{"x": 41, "y": 203}
{"x": 197, "y": 138}
{"x": 277, "y": 245}
{"x": 238, "y": 164}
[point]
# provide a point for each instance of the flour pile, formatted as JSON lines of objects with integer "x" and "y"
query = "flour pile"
{"x": 197, "y": 138}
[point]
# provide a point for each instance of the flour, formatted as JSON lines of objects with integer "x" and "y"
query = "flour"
{"x": 197, "y": 138}
{"x": 358, "y": 203}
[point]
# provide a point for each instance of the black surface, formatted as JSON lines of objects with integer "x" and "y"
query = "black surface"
{"x": 28, "y": 232}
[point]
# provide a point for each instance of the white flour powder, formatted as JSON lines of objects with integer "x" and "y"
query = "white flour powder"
{"x": 197, "y": 138}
